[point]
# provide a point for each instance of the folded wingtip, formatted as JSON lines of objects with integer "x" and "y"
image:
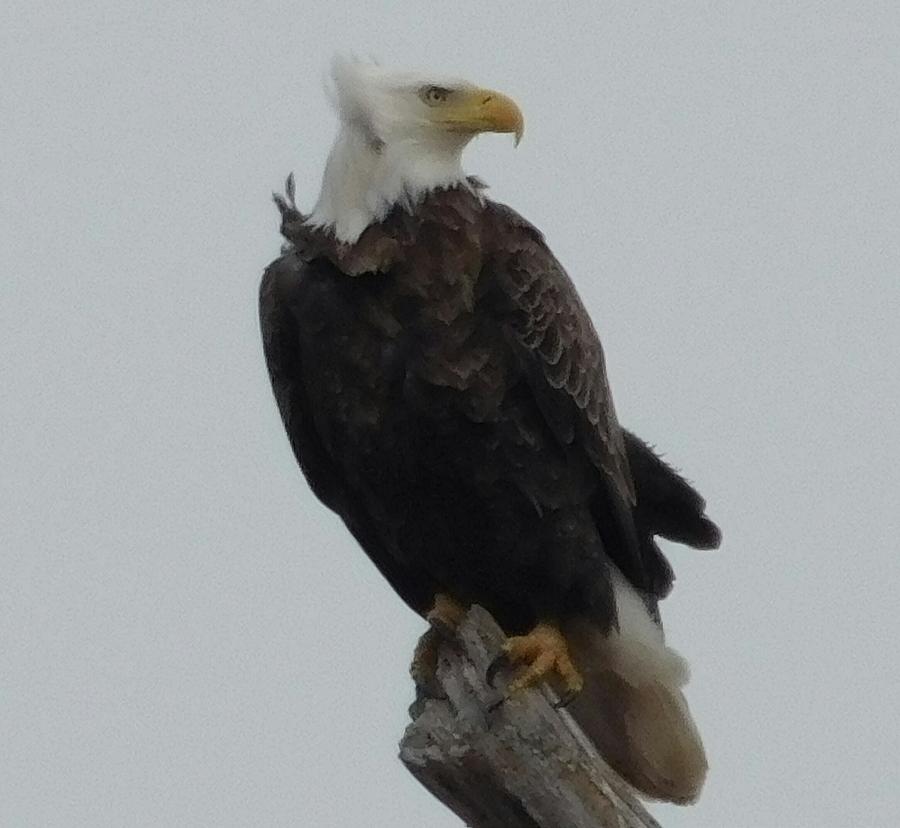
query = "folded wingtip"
{"x": 710, "y": 536}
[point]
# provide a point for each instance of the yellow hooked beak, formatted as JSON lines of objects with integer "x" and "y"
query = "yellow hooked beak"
{"x": 481, "y": 110}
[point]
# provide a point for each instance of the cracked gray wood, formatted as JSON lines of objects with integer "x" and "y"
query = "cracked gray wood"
{"x": 520, "y": 765}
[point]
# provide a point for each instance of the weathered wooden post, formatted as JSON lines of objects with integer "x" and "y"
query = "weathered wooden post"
{"x": 520, "y": 764}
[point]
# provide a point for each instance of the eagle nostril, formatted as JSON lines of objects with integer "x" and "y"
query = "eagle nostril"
{"x": 488, "y": 99}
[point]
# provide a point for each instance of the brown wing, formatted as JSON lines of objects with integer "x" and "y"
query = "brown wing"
{"x": 562, "y": 357}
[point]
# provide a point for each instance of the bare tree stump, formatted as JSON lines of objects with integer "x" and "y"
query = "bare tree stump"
{"x": 522, "y": 764}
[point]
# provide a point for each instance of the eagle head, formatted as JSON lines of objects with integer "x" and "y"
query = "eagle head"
{"x": 401, "y": 135}
{"x": 429, "y": 111}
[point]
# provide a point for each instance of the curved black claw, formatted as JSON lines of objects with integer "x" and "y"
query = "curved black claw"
{"x": 565, "y": 700}
{"x": 427, "y": 685}
{"x": 442, "y": 627}
{"x": 495, "y": 705}
{"x": 430, "y": 690}
{"x": 424, "y": 665}
{"x": 500, "y": 662}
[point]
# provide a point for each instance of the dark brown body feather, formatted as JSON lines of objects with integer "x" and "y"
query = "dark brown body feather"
{"x": 445, "y": 393}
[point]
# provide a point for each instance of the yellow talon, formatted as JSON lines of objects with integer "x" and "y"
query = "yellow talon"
{"x": 444, "y": 617}
{"x": 445, "y": 614}
{"x": 545, "y": 652}
{"x": 425, "y": 659}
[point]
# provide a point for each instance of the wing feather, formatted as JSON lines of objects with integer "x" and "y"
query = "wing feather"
{"x": 287, "y": 285}
{"x": 552, "y": 328}
{"x": 563, "y": 360}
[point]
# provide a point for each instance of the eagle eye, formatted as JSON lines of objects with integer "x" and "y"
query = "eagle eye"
{"x": 433, "y": 95}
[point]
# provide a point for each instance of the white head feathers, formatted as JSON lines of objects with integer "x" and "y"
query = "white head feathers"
{"x": 401, "y": 136}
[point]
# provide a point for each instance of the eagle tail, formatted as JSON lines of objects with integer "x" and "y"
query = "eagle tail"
{"x": 632, "y": 706}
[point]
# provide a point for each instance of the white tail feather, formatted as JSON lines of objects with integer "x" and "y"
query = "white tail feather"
{"x": 632, "y": 706}
{"x": 638, "y": 651}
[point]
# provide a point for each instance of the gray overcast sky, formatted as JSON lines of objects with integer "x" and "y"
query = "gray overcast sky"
{"x": 187, "y": 638}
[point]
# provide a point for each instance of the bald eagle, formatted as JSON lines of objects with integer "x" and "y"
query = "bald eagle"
{"x": 444, "y": 392}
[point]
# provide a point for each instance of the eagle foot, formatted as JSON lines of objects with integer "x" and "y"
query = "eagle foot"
{"x": 544, "y": 653}
{"x": 444, "y": 617}
{"x": 423, "y": 668}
